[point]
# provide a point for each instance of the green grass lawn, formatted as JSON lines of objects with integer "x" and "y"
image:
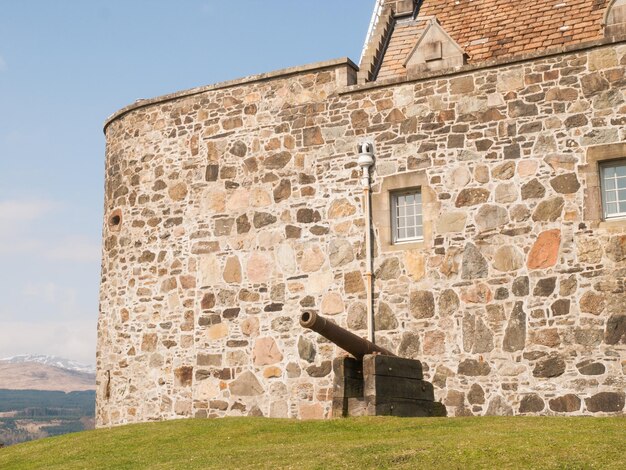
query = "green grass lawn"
{"x": 437, "y": 443}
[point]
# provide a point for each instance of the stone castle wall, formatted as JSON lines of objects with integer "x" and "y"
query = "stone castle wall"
{"x": 230, "y": 210}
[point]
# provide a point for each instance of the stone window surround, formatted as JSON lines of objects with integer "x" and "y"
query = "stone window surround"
{"x": 381, "y": 209}
{"x": 593, "y": 213}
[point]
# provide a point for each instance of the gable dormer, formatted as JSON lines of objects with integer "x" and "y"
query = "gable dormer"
{"x": 615, "y": 20}
{"x": 412, "y": 37}
{"x": 435, "y": 50}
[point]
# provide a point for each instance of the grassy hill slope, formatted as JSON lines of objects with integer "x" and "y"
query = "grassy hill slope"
{"x": 541, "y": 443}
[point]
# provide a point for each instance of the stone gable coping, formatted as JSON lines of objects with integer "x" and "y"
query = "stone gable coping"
{"x": 557, "y": 51}
{"x": 283, "y": 73}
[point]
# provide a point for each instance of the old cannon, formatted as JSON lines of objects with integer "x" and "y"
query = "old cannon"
{"x": 347, "y": 341}
{"x": 375, "y": 382}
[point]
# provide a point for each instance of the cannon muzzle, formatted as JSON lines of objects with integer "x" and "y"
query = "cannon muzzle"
{"x": 347, "y": 341}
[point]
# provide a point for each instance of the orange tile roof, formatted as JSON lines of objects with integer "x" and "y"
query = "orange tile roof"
{"x": 488, "y": 29}
{"x": 401, "y": 44}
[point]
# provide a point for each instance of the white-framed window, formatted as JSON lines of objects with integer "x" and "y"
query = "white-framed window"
{"x": 613, "y": 184}
{"x": 406, "y": 216}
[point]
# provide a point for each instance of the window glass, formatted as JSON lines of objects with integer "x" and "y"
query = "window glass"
{"x": 613, "y": 177}
{"x": 406, "y": 214}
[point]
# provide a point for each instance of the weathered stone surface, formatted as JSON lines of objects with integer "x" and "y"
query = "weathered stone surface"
{"x": 515, "y": 334}
{"x": 422, "y": 304}
{"x": 507, "y": 259}
{"x": 451, "y": 222}
{"x": 545, "y": 251}
{"x": 533, "y": 190}
{"x": 340, "y": 252}
{"x": 448, "y": 302}
{"x": 499, "y": 407}
{"x": 593, "y": 303}
{"x": 313, "y": 259}
{"x": 474, "y": 264}
{"x": 560, "y": 307}
{"x": 277, "y": 161}
{"x": 183, "y": 376}
{"x": 319, "y": 371}
{"x": 409, "y": 345}
{"x": 389, "y": 269}
{"x": 545, "y": 287}
{"x": 476, "y": 395}
{"x": 252, "y": 171}
{"x": 353, "y": 282}
{"x": 459, "y": 178}
{"x": 384, "y": 318}
{"x": 506, "y": 193}
{"x": 566, "y": 404}
{"x": 246, "y": 385}
{"x": 549, "y": 210}
{"x": 531, "y": 403}
{"x": 605, "y": 402}
{"x": 616, "y": 329}
{"x": 149, "y": 342}
{"x": 616, "y": 248}
{"x": 415, "y": 264}
{"x": 521, "y": 286}
{"x": 263, "y": 219}
{"x": 341, "y": 208}
{"x": 306, "y": 350}
{"x": 357, "y": 316}
{"x": 589, "y": 367}
{"x": 474, "y": 368}
{"x": 282, "y": 191}
{"x": 490, "y": 217}
{"x": 565, "y": 184}
{"x": 550, "y": 366}
{"x": 259, "y": 267}
{"x": 472, "y": 197}
{"x": 232, "y": 270}
{"x": 589, "y": 250}
{"x": 477, "y": 337}
{"x": 504, "y": 171}
{"x": 308, "y": 216}
{"x": 332, "y": 304}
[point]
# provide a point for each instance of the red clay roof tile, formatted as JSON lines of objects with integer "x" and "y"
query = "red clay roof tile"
{"x": 487, "y": 29}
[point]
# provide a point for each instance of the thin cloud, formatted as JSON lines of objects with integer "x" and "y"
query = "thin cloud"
{"x": 12, "y": 211}
{"x": 3, "y": 64}
{"x": 75, "y": 249}
{"x": 75, "y": 339}
{"x": 18, "y": 235}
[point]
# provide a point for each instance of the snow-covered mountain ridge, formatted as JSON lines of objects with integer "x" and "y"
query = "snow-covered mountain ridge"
{"x": 51, "y": 361}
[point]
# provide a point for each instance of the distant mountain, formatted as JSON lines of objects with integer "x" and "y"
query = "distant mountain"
{"x": 51, "y": 361}
{"x": 35, "y": 376}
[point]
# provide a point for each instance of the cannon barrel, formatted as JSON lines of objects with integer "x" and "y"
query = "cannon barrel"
{"x": 347, "y": 341}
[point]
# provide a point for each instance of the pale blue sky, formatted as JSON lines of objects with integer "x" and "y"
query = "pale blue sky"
{"x": 65, "y": 65}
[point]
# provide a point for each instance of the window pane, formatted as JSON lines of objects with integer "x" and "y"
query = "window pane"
{"x": 609, "y": 172}
{"x": 610, "y": 196}
{"x": 622, "y": 207}
{"x": 621, "y": 170}
{"x": 622, "y": 195}
{"x": 609, "y": 184}
{"x": 611, "y": 208}
{"x": 407, "y": 216}
{"x": 621, "y": 183}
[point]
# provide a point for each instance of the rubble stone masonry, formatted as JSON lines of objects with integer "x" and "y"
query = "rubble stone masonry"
{"x": 231, "y": 209}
